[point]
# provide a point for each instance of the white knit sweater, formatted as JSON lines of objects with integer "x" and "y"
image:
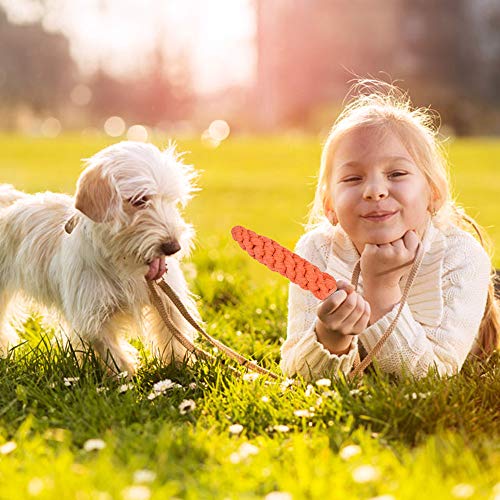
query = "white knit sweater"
{"x": 438, "y": 324}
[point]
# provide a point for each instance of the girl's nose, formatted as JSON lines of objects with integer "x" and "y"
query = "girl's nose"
{"x": 375, "y": 190}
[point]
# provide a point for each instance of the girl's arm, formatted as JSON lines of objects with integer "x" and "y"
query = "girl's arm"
{"x": 302, "y": 353}
{"x": 416, "y": 347}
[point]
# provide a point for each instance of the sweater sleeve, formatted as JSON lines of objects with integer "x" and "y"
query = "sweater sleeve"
{"x": 302, "y": 353}
{"x": 415, "y": 348}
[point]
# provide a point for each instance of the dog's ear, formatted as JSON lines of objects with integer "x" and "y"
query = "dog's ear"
{"x": 95, "y": 196}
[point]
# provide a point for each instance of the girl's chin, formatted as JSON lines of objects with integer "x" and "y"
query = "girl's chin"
{"x": 381, "y": 237}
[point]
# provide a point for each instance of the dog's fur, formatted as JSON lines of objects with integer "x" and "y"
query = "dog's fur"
{"x": 88, "y": 256}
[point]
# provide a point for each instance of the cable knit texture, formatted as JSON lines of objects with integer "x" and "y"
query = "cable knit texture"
{"x": 437, "y": 327}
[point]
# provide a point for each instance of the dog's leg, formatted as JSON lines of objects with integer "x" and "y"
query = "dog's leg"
{"x": 116, "y": 353}
{"x": 106, "y": 339}
{"x": 8, "y": 336}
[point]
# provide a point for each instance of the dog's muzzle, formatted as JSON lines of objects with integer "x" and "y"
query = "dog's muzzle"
{"x": 158, "y": 267}
{"x": 170, "y": 247}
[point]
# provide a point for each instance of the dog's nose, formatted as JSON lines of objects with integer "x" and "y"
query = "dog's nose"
{"x": 170, "y": 247}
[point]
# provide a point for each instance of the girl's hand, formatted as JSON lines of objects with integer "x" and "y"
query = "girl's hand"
{"x": 384, "y": 265}
{"x": 344, "y": 312}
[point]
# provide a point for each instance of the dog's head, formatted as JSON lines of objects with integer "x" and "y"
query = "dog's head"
{"x": 134, "y": 193}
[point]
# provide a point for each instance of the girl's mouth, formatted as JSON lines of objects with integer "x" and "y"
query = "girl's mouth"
{"x": 379, "y": 218}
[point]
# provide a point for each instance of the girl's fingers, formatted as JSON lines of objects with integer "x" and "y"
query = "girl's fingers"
{"x": 398, "y": 245}
{"x": 355, "y": 316}
{"x": 345, "y": 285}
{"x": 363, "y": 321}
{"x": 330, "y": 305}
{"x": 346, "y": 308}
{"x": 411, "y": 240}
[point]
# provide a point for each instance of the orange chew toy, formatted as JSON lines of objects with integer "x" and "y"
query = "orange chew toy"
{"x": 289, "y": 264}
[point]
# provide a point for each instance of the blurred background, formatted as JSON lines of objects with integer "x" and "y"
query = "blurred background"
{"x": 130, "y": 67}
{"x": 248, "y": 88}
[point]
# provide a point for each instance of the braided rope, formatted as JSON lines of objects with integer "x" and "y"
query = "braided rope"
{"x": 283, "y": 261}
{"x": 185, "y": 341}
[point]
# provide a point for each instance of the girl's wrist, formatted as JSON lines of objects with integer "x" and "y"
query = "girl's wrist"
{"x": 333, "y": 341}
{"x": 382, "y": 299}
{"x": 379, "y": 283}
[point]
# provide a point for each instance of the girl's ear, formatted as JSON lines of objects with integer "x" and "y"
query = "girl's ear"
{"x": 330, "y": 212}
{"x": 436, "y": 201}
{"x": 332, "y": 217}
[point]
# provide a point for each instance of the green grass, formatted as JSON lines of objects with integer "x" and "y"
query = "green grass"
{"x": 432, "y": 437}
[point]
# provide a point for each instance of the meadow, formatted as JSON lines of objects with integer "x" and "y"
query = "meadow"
{"x": 69, "y": 431}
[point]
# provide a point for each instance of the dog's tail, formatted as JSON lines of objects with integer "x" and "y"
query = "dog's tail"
{"x": 8, "y": 195}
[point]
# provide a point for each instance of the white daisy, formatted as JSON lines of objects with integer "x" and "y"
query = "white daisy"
{"x": 125, "y": 387}
{"x": 94, "y": 444}
{"x": 281, "y": 428}
{"x": 8, "y": 447}
{"x": 349, "y": 451}
{"x": 186, "y": 406}
{"x": 144, "y": 476}
{"x": 324, "y": 382}
{"x": 235, "y": 429}
{"x": 136, "y": 493}
{"x": 365, "y": 474}
{"x": 303, "y": 413}
{"x": 462, "y": 490}
{"x": 69, "y": 381}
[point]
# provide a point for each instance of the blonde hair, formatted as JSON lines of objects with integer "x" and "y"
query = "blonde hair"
{"x": 384, "y": 106}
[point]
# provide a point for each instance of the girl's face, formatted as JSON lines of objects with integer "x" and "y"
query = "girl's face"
{"x": 378, "y": 191}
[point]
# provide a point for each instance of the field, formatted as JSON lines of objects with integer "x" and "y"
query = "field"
{"x": 68, "y": 431}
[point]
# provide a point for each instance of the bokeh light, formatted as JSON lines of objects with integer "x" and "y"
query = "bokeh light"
{"x": 81, "y": 95}
{"x": 219, "y": 130}
{"x": 51, "y": 127}
{"x": 114, "y": 126}
{"x": 216, "y": 132}
{"x": 137, "y": 133}
{"x": 208, "y": 141}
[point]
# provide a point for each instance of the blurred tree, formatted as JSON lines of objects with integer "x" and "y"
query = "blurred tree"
{"x": 308, "y": 49}
{"x": 442, "y": 45}
{"x": 36, "y": 68}
{"x": 163, "y": 94}
{"x": 148, "y": 99}
{"x": 445, "y": 53}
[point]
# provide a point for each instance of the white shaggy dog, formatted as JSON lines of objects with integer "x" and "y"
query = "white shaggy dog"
{"x": 88, "y": 256}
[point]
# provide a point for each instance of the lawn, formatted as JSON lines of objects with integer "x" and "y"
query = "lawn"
{"x": 70, "y": 432}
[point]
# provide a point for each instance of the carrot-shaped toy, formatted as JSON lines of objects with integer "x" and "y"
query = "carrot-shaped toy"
{"x": 289, "y": 264}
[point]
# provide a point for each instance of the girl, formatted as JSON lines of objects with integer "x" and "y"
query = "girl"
{"x": 383, "y": 191}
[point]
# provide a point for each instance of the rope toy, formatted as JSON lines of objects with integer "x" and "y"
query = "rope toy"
{"x": 283, "y": 261}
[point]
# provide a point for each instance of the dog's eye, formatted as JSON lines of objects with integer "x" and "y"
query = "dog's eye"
{"x": 139, "y": 202}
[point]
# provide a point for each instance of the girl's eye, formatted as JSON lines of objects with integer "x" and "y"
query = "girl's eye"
{"x": 397, "y": 174}
{"x": 351, "y": 179}
{"x": 139, "y": 202}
